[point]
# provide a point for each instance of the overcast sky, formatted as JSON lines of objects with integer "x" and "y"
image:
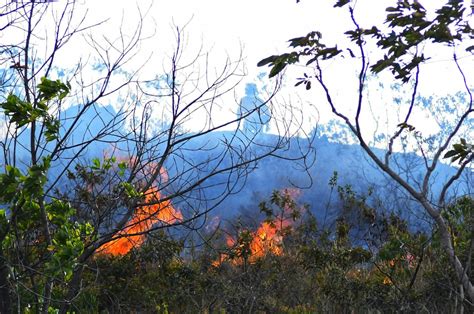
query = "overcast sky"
{"x": 258, "y": 28}
{"x": 261, "y": 27}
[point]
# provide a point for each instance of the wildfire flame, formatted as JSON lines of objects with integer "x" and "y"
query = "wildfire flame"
{"x": 143, "y": 219}
{"x": 267, "y": 239}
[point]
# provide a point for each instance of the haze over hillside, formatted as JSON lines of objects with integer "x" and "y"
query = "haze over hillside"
{"x": 351, "y": 164}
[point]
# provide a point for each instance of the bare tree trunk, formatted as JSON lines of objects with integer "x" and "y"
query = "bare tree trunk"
{"x": 446, "y": 241}
{"x": 445, "y": 235}
{"x": 461, "y": 296}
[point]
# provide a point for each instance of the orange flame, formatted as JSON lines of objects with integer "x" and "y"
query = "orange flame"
{"x": 268, "y": 239}
{"x": 144, "y": 218}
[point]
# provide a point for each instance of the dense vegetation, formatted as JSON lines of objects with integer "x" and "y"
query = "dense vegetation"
{"x": 389, "y": 267}
{"x": 103, "y": 208}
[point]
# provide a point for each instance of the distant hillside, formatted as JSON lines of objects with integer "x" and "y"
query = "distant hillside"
{"x": 351, "y": 164}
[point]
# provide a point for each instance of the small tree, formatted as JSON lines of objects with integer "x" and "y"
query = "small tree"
{"x": 403, "y": 44}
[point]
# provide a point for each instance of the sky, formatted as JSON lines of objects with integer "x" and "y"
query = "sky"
{"x": 260, "y": 27}
{"x": 256, "y": 29}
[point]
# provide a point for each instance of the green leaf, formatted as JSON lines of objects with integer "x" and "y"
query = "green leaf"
{"x": 329, "y": 53}
{"x": 391, "y": 9}
{"x": 52, "y": 129}
{"x": 277, "y": 68}
{"x": 460, "y": 151}
{"x": 3, "y": 223}
{"x": 450, "y": 153}
{"x": 299, "y": 41}
{"x": 268, "y": 60}
{"x": 50, "y": 89}
{"x": 122, "y": 167}
{"x": 19, "y": 111}
{"x": 130, "y": 190}
{"x": 95, "y": 164}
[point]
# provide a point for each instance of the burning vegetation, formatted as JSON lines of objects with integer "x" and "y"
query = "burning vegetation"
{"x": 153, "y": 211}
{"x": 144, "y": 218}
{"x": 249, "y": 246}
{"x": 287, "y": 264}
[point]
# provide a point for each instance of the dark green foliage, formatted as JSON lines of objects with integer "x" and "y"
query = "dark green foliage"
{"x": 408, "y": 28}
{"x": 144, "y": 280}
{"x": 320, "y": 270}
{"x": 309, "y": 45}
{"x": 460, "y": 151}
